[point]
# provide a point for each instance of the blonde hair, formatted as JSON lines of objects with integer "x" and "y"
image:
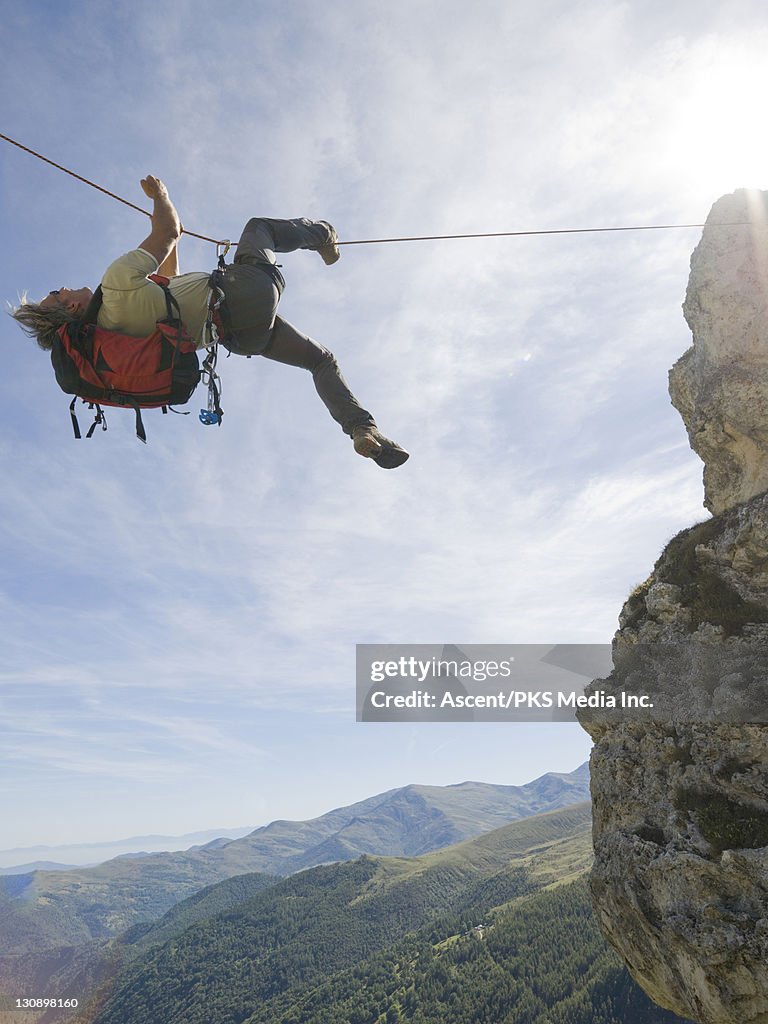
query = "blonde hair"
{"x": 41, "y": 322}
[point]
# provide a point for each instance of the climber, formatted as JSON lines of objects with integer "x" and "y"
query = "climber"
{"x": 247, "y": 320}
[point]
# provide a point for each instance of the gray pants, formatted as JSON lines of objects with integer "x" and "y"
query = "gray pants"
{"x": 251, "y": 295}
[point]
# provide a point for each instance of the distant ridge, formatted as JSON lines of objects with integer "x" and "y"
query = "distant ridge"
{"x": 44, "y": 910}
{"x": 74, "y": 855}
{"x": 37, "y": 865}
{"x": 406, "y": 822}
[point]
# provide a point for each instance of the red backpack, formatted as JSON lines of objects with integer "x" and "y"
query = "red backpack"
{"x": 106, "y": 368}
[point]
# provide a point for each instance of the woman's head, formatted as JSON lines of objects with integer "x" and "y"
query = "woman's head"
{"x": 41, "y": 323}
{"x": 74, "y": 300}
{"x": 42, "y": 320}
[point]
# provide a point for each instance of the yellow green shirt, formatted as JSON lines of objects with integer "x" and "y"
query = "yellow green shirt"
{"x": 132, "y": 304}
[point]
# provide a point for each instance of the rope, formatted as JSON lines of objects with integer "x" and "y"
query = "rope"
{"x": 93, "y": 184}
{"x": 379, "y": 241}
{"x": 509, "y": 234}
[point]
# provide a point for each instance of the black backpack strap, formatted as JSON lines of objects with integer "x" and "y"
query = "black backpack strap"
{"x": 92, "y": 309}
{"x": 99, "y": 418}
{"x": 75, "y": 424}
{"x": 140, "y": 431}
{"x": 171, "y": 305}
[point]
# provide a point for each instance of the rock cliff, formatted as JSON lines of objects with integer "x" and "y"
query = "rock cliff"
{"x": 720, "y": 385}
{"x": 680, "y": 793}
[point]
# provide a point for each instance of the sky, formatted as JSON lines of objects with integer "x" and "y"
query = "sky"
{"x": 179, "y": 620}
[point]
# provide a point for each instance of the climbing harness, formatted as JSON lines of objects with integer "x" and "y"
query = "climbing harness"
{"x": 215, "y": 332}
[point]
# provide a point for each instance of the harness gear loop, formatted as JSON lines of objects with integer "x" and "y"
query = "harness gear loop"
{"x": 213, "y": 413}
{"x": 214, "y": 331}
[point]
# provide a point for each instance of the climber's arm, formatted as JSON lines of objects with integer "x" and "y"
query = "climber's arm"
{"x": 170, "y": 265}
{"x": 166, "y": 227}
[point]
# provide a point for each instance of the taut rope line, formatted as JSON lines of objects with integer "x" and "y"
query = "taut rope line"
{"x": 93, "y": 184}
{"x": 377, "y": 241}
{"x": 519, "y": 234}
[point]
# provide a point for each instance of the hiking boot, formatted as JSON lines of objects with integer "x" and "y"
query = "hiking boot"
{"x": 371, "y": 444}
{"x": 329, "y": 250}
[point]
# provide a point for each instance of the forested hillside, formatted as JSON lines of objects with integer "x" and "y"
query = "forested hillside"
{"x": 494, "y": 929}
{"x": 45, "y": 911}
{"x": 539, "y": 960}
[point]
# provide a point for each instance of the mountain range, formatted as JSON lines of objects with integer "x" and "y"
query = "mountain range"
{"x": 69, "y": 855}
{"x": 49, "y": 910}
{"x": 495, "y": 928}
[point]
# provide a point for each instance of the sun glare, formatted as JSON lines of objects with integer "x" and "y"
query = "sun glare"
{"x": 719, "y": 119}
